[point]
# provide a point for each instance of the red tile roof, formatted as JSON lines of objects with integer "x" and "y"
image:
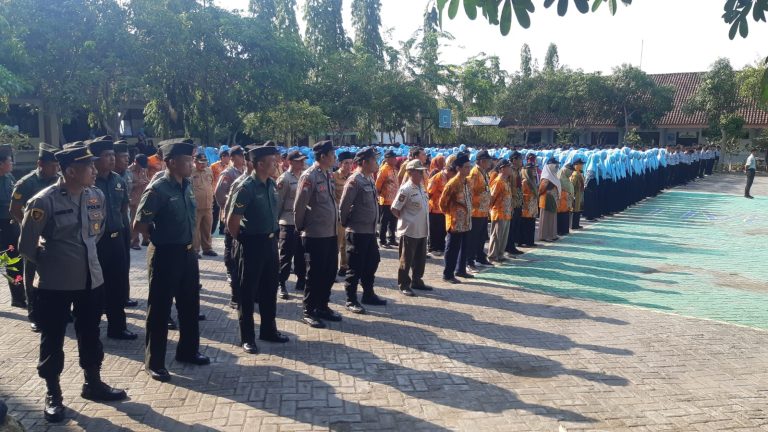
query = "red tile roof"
{"x": 686, "y": 84}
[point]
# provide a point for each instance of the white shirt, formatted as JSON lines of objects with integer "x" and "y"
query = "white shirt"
{"x": 751, "y": 164}
{"x": 412, "y": 203}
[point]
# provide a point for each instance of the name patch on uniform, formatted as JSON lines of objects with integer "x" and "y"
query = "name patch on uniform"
{"x": 37, "y": 214}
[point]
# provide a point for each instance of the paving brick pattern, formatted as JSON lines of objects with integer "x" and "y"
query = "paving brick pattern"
{"x": 482, "y": 356}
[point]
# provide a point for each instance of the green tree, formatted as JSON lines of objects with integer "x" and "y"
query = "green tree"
{"x": 552, "y": 58}
{"x": 717, "y": 97}
{"x": 526, "y": 61}
{"x": 366, "y": 19}
{"x": 265, "y": 10}
{"x": 288, "y": 122}
{"x": 752, "y": 79}
{"x": 632, "y": 98}
{"x": 285, "y": 18}
{"x": 324, "y": 33}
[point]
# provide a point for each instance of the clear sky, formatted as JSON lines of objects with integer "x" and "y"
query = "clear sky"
{"x": 675, "y": 35}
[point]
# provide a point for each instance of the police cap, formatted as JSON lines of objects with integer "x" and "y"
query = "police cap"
{"x": 515, "y": 155}
{"x": 46, "y": 152}
{"x": 120, "y": 146}
{"x": 461, "y": 159}
{"x": 323, "y": 147}
{"x": 296, "y": 155}
{"x": 389, "y": 154}
{"x": 177, "y": 147}
{"x": 483, "y": 155}
{"x": 236, "y": 151}
{"x": 100, "y": 144}
{"x": 74, "y": 155}
{"x": 256, "y": 153}
{"x": 365, "y": 154}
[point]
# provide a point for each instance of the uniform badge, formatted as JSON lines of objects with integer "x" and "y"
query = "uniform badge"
{"x": 96, "y": 226}
{"x": 119, "y": 186}
{"x": 17, "y": 196}
{"x": 402, "y": 198}
{"x": 36, "y": 214}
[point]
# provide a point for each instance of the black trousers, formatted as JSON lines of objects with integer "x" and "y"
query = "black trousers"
{"x": 258, "y": 264}
{"x": 363, "y": 259}
{"x": 514, "y": 230}
{"x": 29, "y": 284}
{"x": 173, "y": 274}
{"x": 322, "y": 258}
{"x": 576, "y": 223}
{"x": 114, "y": 267}
{"x": 563, "y": 223}
{"x": 291, "y": 250}
{"x": 387, "y": 224}
{"x": 54, "y": 309}
{"x": 456, "y": 247}
{"x": 436, "y": 232}
{"x": 230, "y": 263}
{"x": 9, "y": 236}
{"x": 126, "y": 234}
{"x": 477, "y": 237}
{"x": 750, "y": 180}
{"x": 527, "y": 231}
{"x": 591, "y": 206}
{"x": 216, "y": 222}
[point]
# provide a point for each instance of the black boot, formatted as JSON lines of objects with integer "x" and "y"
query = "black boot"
{"x": 54, "y": 403}
{"x": 94, "y": 388}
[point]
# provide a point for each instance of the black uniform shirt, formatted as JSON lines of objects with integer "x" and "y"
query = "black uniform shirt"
{"x": 171, "y": 206}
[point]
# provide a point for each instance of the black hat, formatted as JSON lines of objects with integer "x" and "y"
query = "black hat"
{"x": 120, "y": 146}
{"x": 461, "y": 159}
{"x": 74, "y": 154}
{"x": 270, "y": 143}
{"x": 323, "y": 147}
{"x": 47, "y": 153}
{"x": 389, "y": 154}
{"x": 577, "y": 161}
{"x": 552, "y": 161}
{"x": 100, "y": 144}
{"x": 177, "y": 147}
{"x": 515, "y": 155}
{"x": 6, "y": 150}
{"x": 483, "y": 154}
{"x": 345, "y": 155}
{"x": 141, "y": 159}
{"x": 74, "y": 144}
{"x": 257, "y": 153}
{"x": 236, "y": 150}
{"x": 296, "y": 155}
{"x": 365, "y": 154}
{"x": 503, "y": 163}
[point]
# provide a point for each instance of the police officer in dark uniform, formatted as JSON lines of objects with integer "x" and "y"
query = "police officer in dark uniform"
{"x": 111, "y": 246}
{"x": 359, "y": 212}
{"x": 169, "y": 204}
{"x": 9, "y": 230}
{"x": 253, "y": 223}
{"x": 61, "y": 227}
{"x": 315, "y": 214}
{"x": 46, "y": 173}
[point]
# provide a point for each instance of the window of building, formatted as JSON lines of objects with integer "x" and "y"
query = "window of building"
{"x": 534, "y": 137}
{"x": 132, "y": 122}
{"x": 23, "y": 117}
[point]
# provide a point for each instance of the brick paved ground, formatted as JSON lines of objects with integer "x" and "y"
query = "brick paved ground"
{"x": 627, "y": 349}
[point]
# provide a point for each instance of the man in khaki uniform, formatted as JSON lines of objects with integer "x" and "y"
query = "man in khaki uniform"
{"x": 202, "y": 185}
{"x": 346, "y": 163}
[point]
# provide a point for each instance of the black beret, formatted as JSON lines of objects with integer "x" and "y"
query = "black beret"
{"x": 461, "y": 159}
{"x": 120, "y": 146}
{"x": 74, "y": 154}
{"x": 346, "y": 155}
{"x": 236, "y": 150}
{"x": 483, "y": 154}
{"x": 259, "y": 152}
{"x": 515, "y": 155}
{"x": 6, "y": 150}
{"x": 323, "y": 147}
{"x": 552, "y": 161}
{"x": 389, "y": 154}
{"x": 47, "y": 152}
{"x": 365, "y": 154}
{"x": 177, "y": 147}
{"x": 296, "y": 155}
{"x": 100, "y": 144}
